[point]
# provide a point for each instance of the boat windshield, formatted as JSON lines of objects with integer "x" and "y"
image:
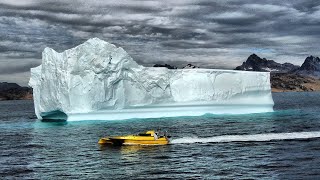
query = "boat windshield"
{"x": 143, "y": 134}
{"x": 158, "y": 133}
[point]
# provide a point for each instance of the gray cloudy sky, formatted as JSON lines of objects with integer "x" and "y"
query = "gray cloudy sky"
{"x": 207, "y": 33}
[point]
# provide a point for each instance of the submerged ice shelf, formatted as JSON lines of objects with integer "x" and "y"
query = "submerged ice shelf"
{"x": 99, "y": 81}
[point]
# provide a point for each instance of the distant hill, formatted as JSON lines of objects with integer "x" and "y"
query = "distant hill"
{"x": 284, "y": 82}
{"x": 165, "y": 65}
{"x": 310, "y": 67}
{"x": 255, "y": 63}
{"x": 12, "y": 91}
{"x": 287, "y": 77}
{"x": 190, "y": 66}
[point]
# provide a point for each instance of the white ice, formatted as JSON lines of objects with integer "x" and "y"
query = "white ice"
{"x": 99, "y": 81}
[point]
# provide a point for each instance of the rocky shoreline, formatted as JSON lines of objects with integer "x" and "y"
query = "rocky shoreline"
{"x": 12, "y": 91}
{"x": 286, "y": 82}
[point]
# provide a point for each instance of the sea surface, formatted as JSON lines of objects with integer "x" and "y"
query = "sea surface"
{"x": 284, "y": 144}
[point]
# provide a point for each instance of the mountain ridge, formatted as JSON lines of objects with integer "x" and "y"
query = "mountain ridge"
{"x": 310, "y": 67}
{"x": 255, "y": 63}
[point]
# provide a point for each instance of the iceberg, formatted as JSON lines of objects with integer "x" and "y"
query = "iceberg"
{"x": 99, "y": 81}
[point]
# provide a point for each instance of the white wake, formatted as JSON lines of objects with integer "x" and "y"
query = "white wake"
{"x": 248, "y": 138}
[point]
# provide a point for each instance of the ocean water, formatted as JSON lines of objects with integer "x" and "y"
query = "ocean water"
{"x": 284, "y": 144}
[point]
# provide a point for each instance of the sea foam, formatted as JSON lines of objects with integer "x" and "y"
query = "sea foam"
{"x": 248, "y": 138}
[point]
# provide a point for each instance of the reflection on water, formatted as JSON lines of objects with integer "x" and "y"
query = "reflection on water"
{"x": 49, "y": 124}
{"x": 132, "y": 149}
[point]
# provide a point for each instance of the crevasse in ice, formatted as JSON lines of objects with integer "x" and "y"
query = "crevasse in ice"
{"x": 99, "y": 81}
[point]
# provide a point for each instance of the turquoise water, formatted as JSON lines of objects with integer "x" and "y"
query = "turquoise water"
{"x": 279, "y": 145}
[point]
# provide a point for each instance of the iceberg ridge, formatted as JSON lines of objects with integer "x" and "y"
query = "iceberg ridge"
{"x": 99, "y": 81}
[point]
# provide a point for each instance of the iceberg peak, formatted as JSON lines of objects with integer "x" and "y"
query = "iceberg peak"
{"x": 97, "y": 80}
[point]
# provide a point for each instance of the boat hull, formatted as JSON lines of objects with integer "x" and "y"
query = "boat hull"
{"x": 133, "y": 141}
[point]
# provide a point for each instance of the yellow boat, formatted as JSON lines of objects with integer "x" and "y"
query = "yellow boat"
{"x": 146, "y": 138}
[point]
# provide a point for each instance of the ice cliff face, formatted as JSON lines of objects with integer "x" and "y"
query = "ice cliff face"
{"x": 97, "y": 80}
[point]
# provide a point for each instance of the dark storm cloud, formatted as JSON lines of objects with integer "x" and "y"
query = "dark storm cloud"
{"x": 219, "y": 33}
{"x": 19, "y": 67}
{"x": 306, "y": 5}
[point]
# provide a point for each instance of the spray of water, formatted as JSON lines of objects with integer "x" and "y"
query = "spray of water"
{"x": 248, "y": 138}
